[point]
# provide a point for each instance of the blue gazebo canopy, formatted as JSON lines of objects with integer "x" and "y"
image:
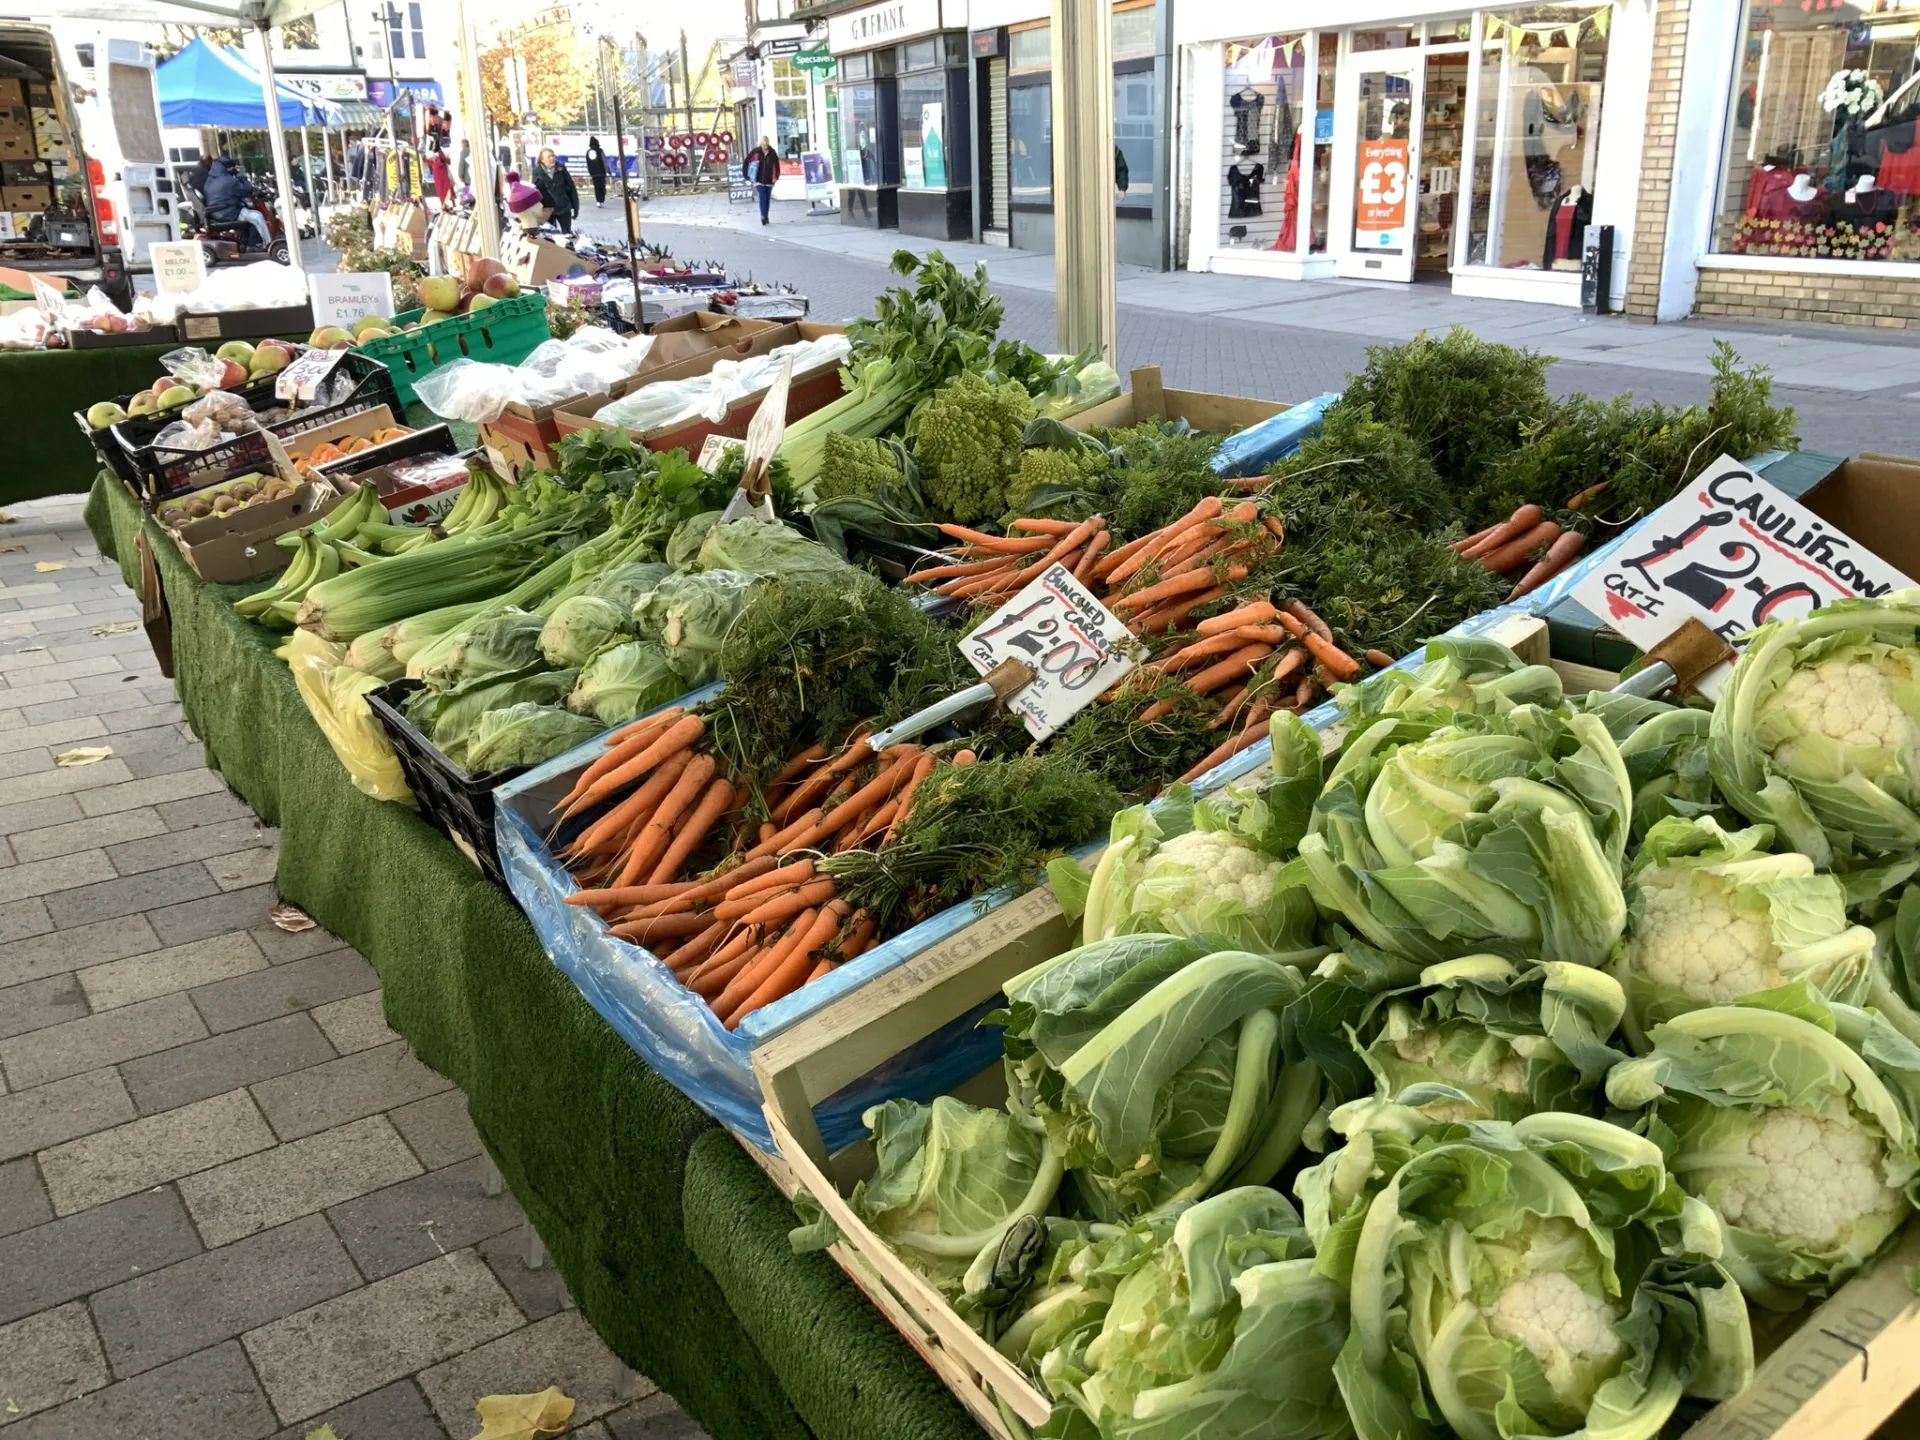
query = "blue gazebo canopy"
{"x": 205, "y": 85}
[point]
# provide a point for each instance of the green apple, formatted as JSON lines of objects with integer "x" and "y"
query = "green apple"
{"x": 178, "y": 395}
{"x": 439, "y": 292}
{"x": 329, "y": 337}
{"x": 238, "y": 351}
{"x": 480, "y": 302}
{"x": 434, "y": 317}
{"x": 145, "y": 402}
{"x": 369, "y": 322}
{"x": 104, "y": 414}
{"x": 267, "y": 361}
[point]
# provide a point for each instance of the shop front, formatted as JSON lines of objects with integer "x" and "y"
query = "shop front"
{"x": 1809, "y": 207}
{"x": 904, "y": 117}
{"x": 779, "y": 103}
{"x": 1013, "y": 95}
{"x": 1477, "y": 150}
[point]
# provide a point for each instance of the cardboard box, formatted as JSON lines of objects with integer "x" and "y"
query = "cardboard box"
{"x": 25, "y": 197}
{"x": 16, "y": 146}
{"x": 575, "y": 289}
{"x": 515, "y": 445}
{"x": 367, "y": 423}
{"x": 15, "y": 119}
{"x": 218, "y": 325}
{"x": 22, "y": 172}
{"x": 419, "y": 490}
{"x": 697, "y": 332}
{"x": 12, "y": 92}
{"x": 1148, "y": 400}
{"x": 1874, "y": 499}
{"x": 227, "y": 549}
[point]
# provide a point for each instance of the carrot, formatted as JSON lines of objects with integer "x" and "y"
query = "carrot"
{"x": 875, "y": 792}
{"x": 710, "y": 979}
{"x": 633, "y": 810}
{"x": 1271, "y": 634}
{"x": 1190, "y": 655}
{"x": 1379, "y": 659}
{"x": 1559, "y": 555}
{"x": 1066, "y": 545}
{"x": 783, "y": 840}
{"x": 1043, "y": 527}
{"x": 1231, "y": 704}
{"x": 623, "y": 746}
{"x": 1159, "y": 621}
{"x": 1083, "y": 572}
{"x": 1256, "y": 612}
{"x": 947, "y": 572}
{"x": 1514, "y": 552}
{"x": 1206, "y": 510}
{"x": 662, "y": 926}
{"x": 963, "y": 757}
{"x": 1117, "y": 558}
{"x": 693, "y": 892}
{"x": 764, "y": 964}
{"x": 1303, "y": 692}
{"x": 1156, "y": 711}
{"x": 1249, "y": 734}
{"x": 881, "y": 822}
{"x": 1140, "y": 601}
{"x": 794, "y": 967}
{"x": 1206, "y": 557}
{"x": 823, "y": 968}
{"x": 741, "y": 942}
{"x": 1298, "y": 609}
{"x": 1592, "y": 492}
{"x": 786, "y": 905}
{"x": 1341, "y": 665}
{"x": 657, "y": 834}
{"x": 858, "y": 934}
{"x": 1521, "y": 521}
{"x": 1275, "y": 527}
{"x": 696, "y": 950}
{"x": 812, "y": 755}
{"x": 922, "y": 768}
{"x": 772, "y": 878}
{"x": 996, "y": 544}
{"x": 675, "y": 738}
{"x": 1460, "y": 547}
{"x": 978, "y": 584}
{"x": 767, "y": 830}
{"x": 718, "y": 796}
{"x": 821, "y": 782}
{"x": 1234, "y": 667}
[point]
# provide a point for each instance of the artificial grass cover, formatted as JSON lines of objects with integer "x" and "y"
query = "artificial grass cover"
{"x": 671, "y": 1240}
{"x": 46, "y": 453}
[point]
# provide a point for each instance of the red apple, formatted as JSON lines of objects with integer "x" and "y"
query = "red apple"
{"x": 232, "y": 376}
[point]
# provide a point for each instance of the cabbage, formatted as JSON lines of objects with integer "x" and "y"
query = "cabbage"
{"x": 1817, "y": 730}
{"x": 492, "y": 644}
{"x": 1795, "y": 1120}
{"x": 624, "y": 681}
{"x": 525, "y": 734}
{"x": 689, "y": 616}
{"x": 581, "y": 626}
{"x": 1459, "y": 673}
{"x": 683, "y": 547}
{"x": 754, "y": 547}
{"x": 450, "y": 717}
{"x": 625, "y": 584}
{"x": 1541, "y": 1278}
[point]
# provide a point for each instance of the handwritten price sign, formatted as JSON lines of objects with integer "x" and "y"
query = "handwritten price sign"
{"x": 1734, "y": 553}
{"x": 1076, "y": 647}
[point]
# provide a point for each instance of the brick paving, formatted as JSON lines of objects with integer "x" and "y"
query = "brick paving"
{"x": 233, "y": 1205}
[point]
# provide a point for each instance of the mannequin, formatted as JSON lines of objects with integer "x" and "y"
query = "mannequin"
{"x": 1567, "y": 229}
{"x": 1802, "y": 188}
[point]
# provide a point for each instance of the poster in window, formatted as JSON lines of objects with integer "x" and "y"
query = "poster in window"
{"x": 1380, "y": 198}
{"x": 933, "y": 146}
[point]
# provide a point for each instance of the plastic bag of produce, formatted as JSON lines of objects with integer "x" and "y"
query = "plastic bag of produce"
{"x": 525, "y": 734}
{"x": 581, "y": 626}
{"x": 689, "y": 615}
{"x": 669, "y": 402}
{"x": 754, "y": 547}
{"x": 624, "y": 681}
{"x": 336, "y": 696}
{"x": 469, "y": 390}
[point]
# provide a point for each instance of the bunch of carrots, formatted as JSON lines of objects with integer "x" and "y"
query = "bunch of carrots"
{"x": 761, "y": 925}
{"x": 1502, "y": 549}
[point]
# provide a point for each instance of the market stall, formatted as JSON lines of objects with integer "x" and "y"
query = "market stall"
{"x": 748, "y": 834}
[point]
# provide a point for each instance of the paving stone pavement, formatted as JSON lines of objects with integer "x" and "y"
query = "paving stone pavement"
{"x": 233, "y": 1205}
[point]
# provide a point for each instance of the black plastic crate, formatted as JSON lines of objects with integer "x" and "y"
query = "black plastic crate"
{"x": 156, "y": 478}
{"x": 458, "y": 805}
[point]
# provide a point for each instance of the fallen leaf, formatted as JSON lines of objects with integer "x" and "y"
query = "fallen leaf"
{"x": 119, "y": 627}
{"x": 6, "y": 519}
{"x": 9, "y": 549}
{"x": 290, "y": 918}
{"x": 47, "y": 567}
{"x": 85, "y": 755}
{"x": 325, "y": 1432}
{"x": 523, "y": 1417}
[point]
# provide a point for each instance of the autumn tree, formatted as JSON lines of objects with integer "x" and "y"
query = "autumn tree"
{"x": 559, "y": 70}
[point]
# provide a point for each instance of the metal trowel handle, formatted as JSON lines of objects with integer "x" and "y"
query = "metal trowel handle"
{"x": 1006, "y": 679}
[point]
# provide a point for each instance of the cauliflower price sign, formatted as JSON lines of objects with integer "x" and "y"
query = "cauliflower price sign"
{"x": 1733, "y": 552}
{"x": 1076, "y": 648}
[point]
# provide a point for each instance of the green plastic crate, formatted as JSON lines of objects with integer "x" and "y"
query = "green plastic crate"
{"x": 503, "y": 333}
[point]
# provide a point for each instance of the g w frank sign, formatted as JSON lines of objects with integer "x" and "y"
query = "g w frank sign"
{"x": 1735, "y": 553}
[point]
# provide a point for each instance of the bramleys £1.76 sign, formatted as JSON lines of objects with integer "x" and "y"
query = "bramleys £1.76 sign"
{"x": 1076, "y": 648}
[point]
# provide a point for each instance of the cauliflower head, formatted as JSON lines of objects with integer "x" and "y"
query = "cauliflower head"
{"x": 855, "y": 467}
{"x": 1812, "y": 1182}
{"x": 1462, "y": 1055}
{"x": 967, "y": 443}
{"x": 1220, "y": 860}
{"x": 1690, "y": 935}
{"x": 1569, "y": 1329}
{"x": 1845, "y": 714}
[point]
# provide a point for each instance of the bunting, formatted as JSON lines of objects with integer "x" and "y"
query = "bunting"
{"x": 1549, "y": 34}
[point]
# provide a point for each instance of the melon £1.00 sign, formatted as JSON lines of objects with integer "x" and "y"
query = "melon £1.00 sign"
{"x": 1733, "y": 552}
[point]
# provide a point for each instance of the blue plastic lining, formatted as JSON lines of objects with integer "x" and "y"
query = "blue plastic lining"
{"x": 1252, "y": 450}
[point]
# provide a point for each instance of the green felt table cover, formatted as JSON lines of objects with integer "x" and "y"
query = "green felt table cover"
{"x": 46, "y": 452}
{"x": 670, "y": 1237}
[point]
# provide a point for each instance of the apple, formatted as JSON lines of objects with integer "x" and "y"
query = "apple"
{"x": 144, "y": 402}
{"x": 232, "y": 375}
{"x": 104, "y": 414}
{"x": 268, "y": 360}
{"x": 178, "y": 395}
{"x": 480, "y": 267}
{"x": 368, "y": 322}
{"x": 500, "y": 286}
{"x": 439, "y": 292}
{"x": 238, "y": 351}
{"x": 480, "y": 302}
{"x": 434, "y": 317}
{"x": 330, "y": 337}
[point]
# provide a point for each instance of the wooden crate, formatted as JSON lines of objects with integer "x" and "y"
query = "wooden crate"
{"x": 1149, "y": 400}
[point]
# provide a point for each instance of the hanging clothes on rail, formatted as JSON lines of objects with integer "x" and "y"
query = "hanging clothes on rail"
{"x": 1247, "y": 106}
{"x": 1243, "y": 190}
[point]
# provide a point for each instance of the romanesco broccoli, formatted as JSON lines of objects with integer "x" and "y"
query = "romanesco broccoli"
{"x": 967, "y": 443}
{"x": 851, "y": 466}
{"x": 1043, "y": 465}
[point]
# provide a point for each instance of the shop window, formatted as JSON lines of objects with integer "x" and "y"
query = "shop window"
{"x": 1393, "y": 37}
{"x": 933, "y": 120}
{"x": 1132, "y": 33}
{"x": 867, "y": 117}
{"x": 1030, "y": 144}
{"x": 1823, "y": 161}
{"x": 1030, "y": 49}
{"x": 790, "y": 124}
{"x": 1136, "y": 131}
{"x": 1266, "y": 84}
{"x": 920, "y": 55}
{"x": 1541, "y": 79}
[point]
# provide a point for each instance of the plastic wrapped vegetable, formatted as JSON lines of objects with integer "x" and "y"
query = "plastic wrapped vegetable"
{"x": 754, "y": 547}
{"x": 1497, "y": 833}
{"x": 624, "y": 681}
{"x": 525, "y": 734}
{"x": 1711, "y": 916}
{"x": 581, "y": 626}
{"x": 1817, "y": 730}
{"x": 1794, "y": 1120}
{"x": 336, "y": 696}
{"x": 1540, "y": 1278}
{"x": 689, "y": 616}
{"x": 1481, "y": 1038}
{"x": 1213, "y": 1324}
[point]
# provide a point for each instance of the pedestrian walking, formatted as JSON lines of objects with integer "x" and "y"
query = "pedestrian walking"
{"x": 761, "y": 168}
{"x": 556, "y": 187}
{"x": 442, "y": 174}
{"x": 597, "y": 171}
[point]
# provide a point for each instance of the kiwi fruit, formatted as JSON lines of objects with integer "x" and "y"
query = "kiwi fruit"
{"x": 222, "y": 504}
{"x": 198, "y": 509}
{"x": 243, "y": 491}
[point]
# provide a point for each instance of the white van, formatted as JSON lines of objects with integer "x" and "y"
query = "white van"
{"x": 119, "y": 108}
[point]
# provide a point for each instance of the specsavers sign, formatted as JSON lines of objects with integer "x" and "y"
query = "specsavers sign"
{"x": 888, "y": 24}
